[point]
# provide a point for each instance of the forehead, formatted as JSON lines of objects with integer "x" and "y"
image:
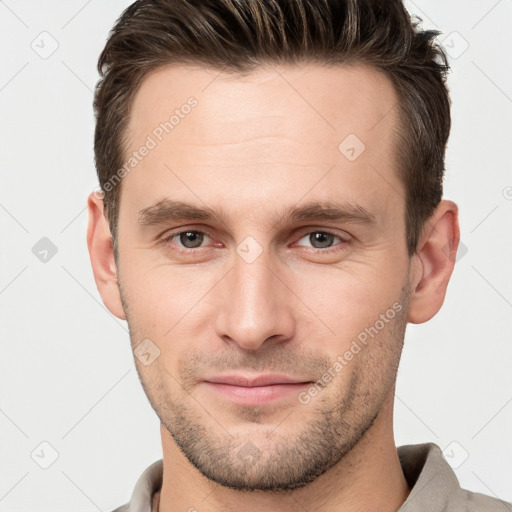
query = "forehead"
{"x": 330, "y": 99}
{"x": 276, "y": 130}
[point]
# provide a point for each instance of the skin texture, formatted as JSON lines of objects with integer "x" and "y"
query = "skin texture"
{"x": 252, "y": 148}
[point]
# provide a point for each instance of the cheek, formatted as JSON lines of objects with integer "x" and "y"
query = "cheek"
{"x": 164, "y": 301}
{"x": 348, "y": 299}
{"x": 175, "y": 302}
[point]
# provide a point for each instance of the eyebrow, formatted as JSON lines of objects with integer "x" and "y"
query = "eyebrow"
{"x": 168, "y": 210}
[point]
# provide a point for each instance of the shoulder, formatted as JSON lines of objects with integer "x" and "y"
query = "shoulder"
{"x": 477, "y": 502}
{"x": 435, "y": 487}
{"x": 123, "y": 508}
{"x": 146, "y": 486}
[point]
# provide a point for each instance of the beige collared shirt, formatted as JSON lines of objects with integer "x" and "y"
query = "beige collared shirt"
{"x": 434, "y": 486}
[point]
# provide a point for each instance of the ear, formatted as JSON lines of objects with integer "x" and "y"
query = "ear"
{"x": 101, "y": 252}
{"x": 433, "y": 262}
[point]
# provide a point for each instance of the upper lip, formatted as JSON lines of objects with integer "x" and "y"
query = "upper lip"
{"x": 254, "y": 380}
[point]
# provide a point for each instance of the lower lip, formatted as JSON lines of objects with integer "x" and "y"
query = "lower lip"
{"x": 257, "y": 394}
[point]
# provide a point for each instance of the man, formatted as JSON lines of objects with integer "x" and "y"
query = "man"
{"x": 271, "y": 218}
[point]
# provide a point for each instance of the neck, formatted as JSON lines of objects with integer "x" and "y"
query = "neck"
{"x": 368, "y": 479}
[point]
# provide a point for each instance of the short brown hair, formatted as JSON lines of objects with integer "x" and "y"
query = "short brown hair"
{"x": 237, "y": 36}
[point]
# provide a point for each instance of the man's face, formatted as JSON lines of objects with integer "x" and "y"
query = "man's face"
{"x": 259, "y": 293}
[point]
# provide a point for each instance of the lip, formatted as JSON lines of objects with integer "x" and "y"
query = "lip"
{"x": 255, "y": 389}
{"x": 268, "y": 379}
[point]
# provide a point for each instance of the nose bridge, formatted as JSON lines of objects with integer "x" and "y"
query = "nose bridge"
{"x": 255, "y": 306}
{"x": 254, "y": 279}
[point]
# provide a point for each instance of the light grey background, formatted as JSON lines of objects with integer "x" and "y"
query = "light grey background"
{"x": 67, "y": 374}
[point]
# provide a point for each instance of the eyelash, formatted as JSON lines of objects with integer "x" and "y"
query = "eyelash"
{"x": 166, "y": 240}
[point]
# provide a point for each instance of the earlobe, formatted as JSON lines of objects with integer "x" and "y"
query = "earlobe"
{"x": 101, "y": 253}
{"x": 433, "y": 262}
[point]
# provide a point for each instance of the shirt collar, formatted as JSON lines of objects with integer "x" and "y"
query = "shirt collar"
{"x": 431, "y": 479}
{"x": 148, "y": 483}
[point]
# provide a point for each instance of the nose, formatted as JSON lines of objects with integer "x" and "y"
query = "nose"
{"x": 257, "y": 305}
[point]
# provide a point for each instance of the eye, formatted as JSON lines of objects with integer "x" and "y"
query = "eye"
{"x": 323, "y": 239}
{"x": 190, "y": 239}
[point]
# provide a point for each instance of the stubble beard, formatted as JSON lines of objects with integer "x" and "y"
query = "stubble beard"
{"x": 274, "y": 460}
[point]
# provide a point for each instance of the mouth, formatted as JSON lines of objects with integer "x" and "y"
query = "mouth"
{"x": 255, "y": 389}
